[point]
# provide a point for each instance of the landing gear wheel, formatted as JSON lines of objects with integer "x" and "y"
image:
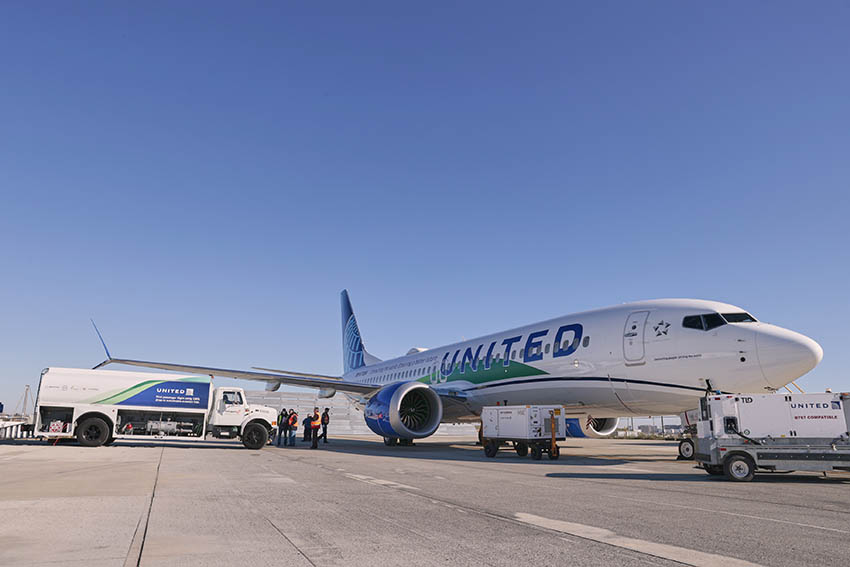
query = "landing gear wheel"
{"x": 521, "y": 449}
{"x": 739, "y": 468}
{"x": 536, "y": 453}
{"x": 554, "y": 454}
{"x": 390, "y": 441}
{"x": 686, "y": 449}
{"x": 491, "y": 448}
{"x": 92, "y": 432}
{"x": 713, "y": 470}
{"x": 255, "y": 436}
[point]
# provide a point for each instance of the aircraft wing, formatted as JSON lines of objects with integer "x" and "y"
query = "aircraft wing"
{"x": 306, "y": 380}
{"x": 294, "y": 373}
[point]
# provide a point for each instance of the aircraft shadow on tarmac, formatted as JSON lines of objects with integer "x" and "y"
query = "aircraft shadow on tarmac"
{"x": 457, "y": 451}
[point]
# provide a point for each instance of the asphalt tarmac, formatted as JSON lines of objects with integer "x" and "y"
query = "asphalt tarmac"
{"x": 356, "y": 502}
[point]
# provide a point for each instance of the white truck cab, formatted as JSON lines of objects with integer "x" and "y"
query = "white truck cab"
{"x": 99, "y": 406}
{"x": 231, "y": 413}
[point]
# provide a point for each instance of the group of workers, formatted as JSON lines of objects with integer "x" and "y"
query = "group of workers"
{"x": 287, "y": 426}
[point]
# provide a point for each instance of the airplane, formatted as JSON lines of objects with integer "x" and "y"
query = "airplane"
{"x": 655, "y": 357}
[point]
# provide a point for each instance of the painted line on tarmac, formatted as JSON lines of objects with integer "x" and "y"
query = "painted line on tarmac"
{"x": 661, "y": 550}
{"x": 727, "y": 513}
{"x": 378, "y": 481}
{"x": 137, "y": 544}
{"x": 618, "y": 468}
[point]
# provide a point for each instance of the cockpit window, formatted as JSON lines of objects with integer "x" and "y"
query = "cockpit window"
{"x": 705, "y": 322}
{"x": 712, "y": 321}
{"x": 739, "y": 318}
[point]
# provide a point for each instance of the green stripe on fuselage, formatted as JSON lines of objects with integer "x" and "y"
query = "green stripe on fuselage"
{"x": 497, "y": 371}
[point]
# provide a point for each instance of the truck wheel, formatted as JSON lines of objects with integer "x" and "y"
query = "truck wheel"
{"x": 536, "y": 453}
{"x": 553, "y": 455}
{"x": 92, "y": 432}
{"x": 739, "y": 468}
{"x": 521, "y": 449}
{"x": 686, "y": 449}
{"x": 255, "y": 436}
{"x": 491, "y": 448}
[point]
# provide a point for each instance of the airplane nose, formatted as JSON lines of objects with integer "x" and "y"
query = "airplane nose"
{"x": 785, "y": 355}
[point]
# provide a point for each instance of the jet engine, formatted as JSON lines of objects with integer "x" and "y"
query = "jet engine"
{"x": 405, "y": 410}
{"x": 595, "y": 427}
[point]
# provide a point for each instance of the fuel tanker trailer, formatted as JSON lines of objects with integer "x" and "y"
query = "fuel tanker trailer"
{"x": 99, "y": 406}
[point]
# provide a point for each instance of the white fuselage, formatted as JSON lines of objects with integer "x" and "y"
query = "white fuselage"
{"x": 632, "y": 359}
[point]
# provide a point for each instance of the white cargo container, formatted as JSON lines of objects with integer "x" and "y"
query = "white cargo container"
{"x": 738, "y": 434}
{"x": 99, "y": 406}
{"x": 524, "y": 426}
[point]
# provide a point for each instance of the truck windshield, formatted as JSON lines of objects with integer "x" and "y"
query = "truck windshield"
{"x": 233, "y": 398}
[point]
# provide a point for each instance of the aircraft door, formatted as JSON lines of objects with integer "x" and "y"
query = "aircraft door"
{"x": 633, "y": 349}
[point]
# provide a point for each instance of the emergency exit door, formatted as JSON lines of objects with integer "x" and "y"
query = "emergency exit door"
{"x": 633, "y": 336}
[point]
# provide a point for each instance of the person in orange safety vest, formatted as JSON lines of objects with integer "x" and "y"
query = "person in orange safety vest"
{"x": 315, "y": 424}
{"x": 293, "y": 427}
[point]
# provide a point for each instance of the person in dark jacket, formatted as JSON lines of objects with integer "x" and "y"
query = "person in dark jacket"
{"x": 282, "y": 427}
{"x": 307, "y": 430}
{"x": 326, "y": 419}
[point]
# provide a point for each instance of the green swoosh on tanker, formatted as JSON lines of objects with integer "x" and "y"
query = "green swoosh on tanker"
{"x": 122, "y": 395}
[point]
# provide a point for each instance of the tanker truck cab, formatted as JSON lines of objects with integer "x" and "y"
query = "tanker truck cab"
{"x": 233, "y": 417}
{"x": 99, "y": 406}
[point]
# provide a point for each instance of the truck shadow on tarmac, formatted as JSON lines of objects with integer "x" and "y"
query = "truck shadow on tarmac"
{"x": 764, "y": 477}
{"x": 230, "y": 445}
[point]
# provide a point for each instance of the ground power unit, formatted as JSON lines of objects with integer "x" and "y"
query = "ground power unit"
{"x": 527, "y": 428}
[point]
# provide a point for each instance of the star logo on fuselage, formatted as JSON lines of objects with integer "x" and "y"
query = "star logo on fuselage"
{"x": 661, "y": 328}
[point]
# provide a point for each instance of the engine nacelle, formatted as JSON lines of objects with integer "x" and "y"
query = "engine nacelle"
{"x": 405, "y": 410}
{"x": 595, "y": 427}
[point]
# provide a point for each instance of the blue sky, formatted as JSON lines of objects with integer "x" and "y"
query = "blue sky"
{"x": 204, "y": 179}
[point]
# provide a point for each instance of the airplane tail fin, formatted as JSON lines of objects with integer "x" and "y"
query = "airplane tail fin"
{"x": 354, "y": 354}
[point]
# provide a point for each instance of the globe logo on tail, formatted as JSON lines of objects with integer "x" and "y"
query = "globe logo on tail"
{"x": 353, "y": 345}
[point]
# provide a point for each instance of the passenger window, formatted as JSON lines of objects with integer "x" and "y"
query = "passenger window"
{"x": 712, "y": 321}
{"x": 692, "y": 322}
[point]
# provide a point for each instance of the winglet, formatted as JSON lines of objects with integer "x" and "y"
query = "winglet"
{"x": 108, "y": 356}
